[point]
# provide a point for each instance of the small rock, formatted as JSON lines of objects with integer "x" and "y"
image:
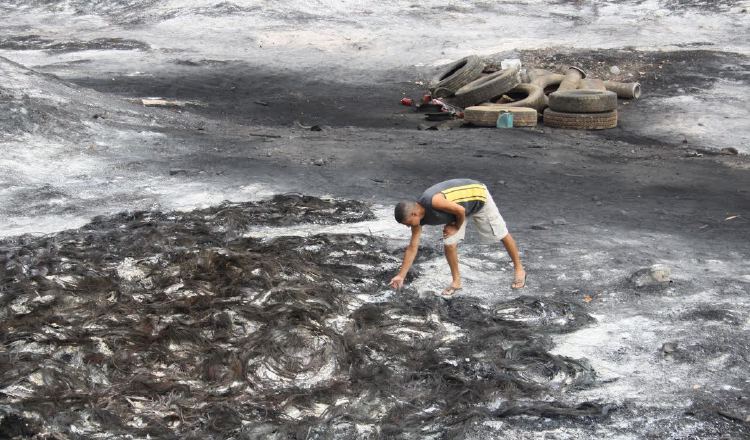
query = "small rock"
{"x": 540, "y": 227}
{"x": 263, "y": 103}
{"x": 595, "y": 198}
{"x": 658, "y": 275}
{"x": 729, "y": 151}
{"x": 669, "y": 347}
{"x": 319, "y": 162}
{"x": 176, "y": 171}
{"x": 268, "y": 154}
{"x": 614, "y": 70}
{"x": 599, "y": 203}
{"x": 316, "y": 128}
{"x": 450, "y": 125}
{"x": 559, "y": 221}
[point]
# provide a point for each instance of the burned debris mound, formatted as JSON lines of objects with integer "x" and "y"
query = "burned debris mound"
{"x": 290, "y": 209}
{"x": 482, "y": 94}
{"x": 174, "y": 325}
{"x": 280, "y": 210}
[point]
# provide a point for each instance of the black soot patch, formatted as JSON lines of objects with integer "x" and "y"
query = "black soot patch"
{"x": 36, "y": 42}
{"x": 174, "y": 325}
{"x": 710, "y": 313}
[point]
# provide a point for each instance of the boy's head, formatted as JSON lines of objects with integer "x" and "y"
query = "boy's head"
{"x": 407, "y": 213}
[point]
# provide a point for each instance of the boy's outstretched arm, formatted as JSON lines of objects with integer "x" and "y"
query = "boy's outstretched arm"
{"x": 409, "y": 255}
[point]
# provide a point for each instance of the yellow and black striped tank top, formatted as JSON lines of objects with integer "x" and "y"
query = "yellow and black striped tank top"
{"x": 468, "y": 193}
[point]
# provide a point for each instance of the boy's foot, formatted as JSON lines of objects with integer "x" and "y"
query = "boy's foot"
{"x": 449, "y": 291}
{"x": 519, "y": 282}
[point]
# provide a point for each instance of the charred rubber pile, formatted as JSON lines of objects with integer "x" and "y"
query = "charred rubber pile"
{"x": 480, "y": 94}
{"x": 175, "y": 325}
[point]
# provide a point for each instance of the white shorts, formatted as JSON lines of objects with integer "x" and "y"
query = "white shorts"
{"x": 488, "y": 222}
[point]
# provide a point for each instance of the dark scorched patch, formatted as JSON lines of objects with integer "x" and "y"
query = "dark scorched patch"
{"x": 174, "y": 325}
{"x": 36, "y": 42}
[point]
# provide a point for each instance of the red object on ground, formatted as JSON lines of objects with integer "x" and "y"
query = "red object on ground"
{"x": 406, "y": 101}
{"x": 426, "y": 99}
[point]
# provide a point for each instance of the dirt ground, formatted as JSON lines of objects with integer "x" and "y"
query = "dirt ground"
{"x": 371, "y": 148}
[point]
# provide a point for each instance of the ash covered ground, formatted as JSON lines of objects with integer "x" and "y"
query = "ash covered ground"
{"x": 219, "y": 271}
{"x": 174, "y": 326}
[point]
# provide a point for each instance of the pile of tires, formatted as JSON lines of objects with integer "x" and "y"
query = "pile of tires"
{"x": 563, "y": 100}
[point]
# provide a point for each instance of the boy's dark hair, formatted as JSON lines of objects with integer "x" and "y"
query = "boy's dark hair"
{"x": 403, "y": 209}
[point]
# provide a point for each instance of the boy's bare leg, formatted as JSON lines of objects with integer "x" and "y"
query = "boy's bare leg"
{"x": 451, "y": 254}
{"x": 519, "y": 277}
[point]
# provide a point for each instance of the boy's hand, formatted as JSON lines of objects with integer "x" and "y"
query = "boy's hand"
{"x": 397, "y": 282}
{"x": 449, "y": 230}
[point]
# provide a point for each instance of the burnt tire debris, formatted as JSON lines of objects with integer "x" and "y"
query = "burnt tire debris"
{"x": 179, "y": 325}
{"x": 523, "y": 95}
{"x": 485, "y": 88}
{"x": 457, "y": 75}
{"x": 568, "y": 95}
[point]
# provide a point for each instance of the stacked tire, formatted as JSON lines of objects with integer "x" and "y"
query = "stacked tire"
{"x": 583, "y": 109}
{"x": 487, "y": 115}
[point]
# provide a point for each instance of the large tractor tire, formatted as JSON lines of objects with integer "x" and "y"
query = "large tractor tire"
{"x": 580, "y": 121}
{"x": 548, "y": 80}
{"x": 591, "y": 84}
{"x": 531, "y": 95}
{"x": 457, "y": 75}
{"x": 583, "y": 101}
{"x": 573, "y": 76}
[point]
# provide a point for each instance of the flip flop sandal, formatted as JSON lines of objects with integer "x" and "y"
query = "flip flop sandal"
{"x": 448, "y": 292}
{"x": 522, "y": 285}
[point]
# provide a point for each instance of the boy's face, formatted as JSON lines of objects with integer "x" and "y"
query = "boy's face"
{"x": 412, "y": 219}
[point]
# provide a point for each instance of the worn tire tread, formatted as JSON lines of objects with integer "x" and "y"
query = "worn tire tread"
{"x": 448, "y": 85}
{"x": 581, "y": 121}
{"x": 583, "y": 101}
{"x": 486, "y": 115}
{"x": 486, "y": 87}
